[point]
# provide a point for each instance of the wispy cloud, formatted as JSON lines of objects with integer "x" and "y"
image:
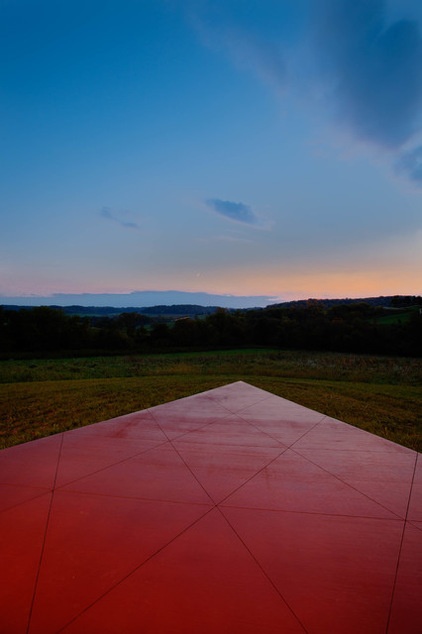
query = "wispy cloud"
{"x": 410, "y": 163}
{"x": 248, "y": 51}
{"x": 365, "y": 64}
{"x": 373, "y": 68}
{"x": 233, "y": 239}
{"x": 236, "y": 211}
{"x": 116, "y": 217}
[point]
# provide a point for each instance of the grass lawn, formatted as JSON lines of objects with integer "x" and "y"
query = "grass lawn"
{"x": 45, "y": 396}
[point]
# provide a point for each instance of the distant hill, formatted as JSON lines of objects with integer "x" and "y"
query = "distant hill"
{"x": 389, "y": 301}
{"x": 378, "y": 325}
{"x": 193, "y": 310}
{"x": 174, "y": 310}
{"x": 148, "y": 299}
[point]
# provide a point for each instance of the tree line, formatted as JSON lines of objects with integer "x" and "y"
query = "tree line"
{"x": 349, "y": 327}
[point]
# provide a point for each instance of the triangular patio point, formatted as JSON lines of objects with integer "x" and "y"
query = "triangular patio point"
{"x": 233, "y": 510}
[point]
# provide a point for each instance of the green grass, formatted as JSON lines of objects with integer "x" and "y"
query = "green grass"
{"x": 41, "y": 397}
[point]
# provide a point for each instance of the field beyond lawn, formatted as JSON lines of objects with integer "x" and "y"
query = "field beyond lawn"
{"x": 40, "y": 397}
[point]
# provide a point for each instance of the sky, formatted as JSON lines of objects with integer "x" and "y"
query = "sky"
{"x": 232, "y": 147}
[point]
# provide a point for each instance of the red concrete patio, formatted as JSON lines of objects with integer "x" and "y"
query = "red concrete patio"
{"x": 232, "y": 511}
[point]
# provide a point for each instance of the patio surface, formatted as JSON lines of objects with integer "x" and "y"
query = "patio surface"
{"x": 232, "y": 511}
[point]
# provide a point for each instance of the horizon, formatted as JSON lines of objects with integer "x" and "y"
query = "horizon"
{"x": 262, "y": 149}
{"x": 142, "y": 299}
{"x": 147, "y": 299}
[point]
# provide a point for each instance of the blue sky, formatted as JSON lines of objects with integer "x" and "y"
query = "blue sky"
{"x": 246, "y": 147}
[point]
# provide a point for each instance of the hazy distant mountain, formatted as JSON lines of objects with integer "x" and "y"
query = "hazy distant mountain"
{"x": 141, "y": 298}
